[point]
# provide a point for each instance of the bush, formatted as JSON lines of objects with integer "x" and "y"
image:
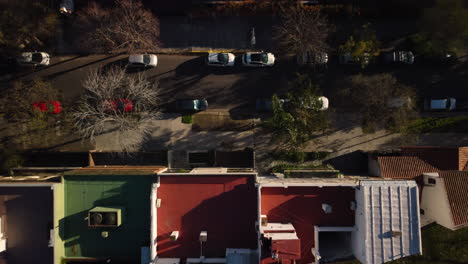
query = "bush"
{"x": 280, "y": 168}
{"x": 299, "y": 156}
{"x": 431, "y": 124}
{"x": 11, "y": 159}
{"x": 187, "y": 119}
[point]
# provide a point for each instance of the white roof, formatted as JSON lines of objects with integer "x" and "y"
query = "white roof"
{"x": 387, "y": 221}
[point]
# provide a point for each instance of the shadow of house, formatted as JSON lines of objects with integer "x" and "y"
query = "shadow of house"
{"x": 25, "y": 228}
{"x": 353, "y": 163}
{"x": 302, "y": 207}
{"x": 222, "y": 205}
{"x": 123, "y": 243}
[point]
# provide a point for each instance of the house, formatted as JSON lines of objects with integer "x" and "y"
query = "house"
{"x": 106, "y": 214}
{"x": 445, "y": 197}
{"x": 412, "y": 162}
{"x": 208, "y": 215}
{"x": 441, "y": 173}
{"x": 324, "y": 220}
{"x": 29, "y": 219}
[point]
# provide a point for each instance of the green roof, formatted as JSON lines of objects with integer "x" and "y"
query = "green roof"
{"x": 83, "y": 193}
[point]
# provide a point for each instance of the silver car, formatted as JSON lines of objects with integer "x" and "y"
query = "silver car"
{"x": 143, "y": 60}
{"x": 258, "y": 59}
{"x": 220, "y": 59}
{"x": 34, "y": 58}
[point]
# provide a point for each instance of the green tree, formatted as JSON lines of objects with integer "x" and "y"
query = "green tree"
{"x": 362, "y": 45}
{"x": 297, "y": 117}
{"x": 19, "y": 26}
{"x": 444, "y": 28}
{"x": 381, "y": 100}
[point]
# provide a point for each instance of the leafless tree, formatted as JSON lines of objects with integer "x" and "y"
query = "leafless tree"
{"x": 119, "y": 103}
{"x": 127, "y": 27}
{"x": 301, "y": 29}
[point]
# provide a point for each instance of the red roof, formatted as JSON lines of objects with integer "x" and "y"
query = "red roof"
{"x": 224, "y": 206}
{"x": 443, "y": 158}
{"x": 456, "y": 185}
{"x": 403, "y": 167}
{"x": 302, "y": 207}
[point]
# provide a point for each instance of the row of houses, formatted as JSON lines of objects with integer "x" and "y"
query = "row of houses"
{"x": 152, "y": 214}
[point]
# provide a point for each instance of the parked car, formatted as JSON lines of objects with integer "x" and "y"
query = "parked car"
{"x": 347, "y": 58}
{"x": 34, "y": 58}
{"x": 406, "y": 57}
{"x": 143, "y": 60}
{"x": 191, "y": 105}
{"x": 66, "y": 6}
{"x": 120, "y": 105}
{"x": 220, "y": 59}
{"x": 399, "y": 101}
{"x": 52, "y": 107}
{"x": 258, "y": 59}
{"x": 318, "y": 58}
{"x": 266, "y": 105}
{"x": 324, "y": 104}
{"x": 440, "y": 104}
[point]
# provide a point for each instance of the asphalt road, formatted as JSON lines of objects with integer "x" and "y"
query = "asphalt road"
{"x": 179, "y": 77}
{"x": 183, "y": 77}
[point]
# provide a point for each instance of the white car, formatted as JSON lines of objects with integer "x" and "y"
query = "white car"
{"x": 143, "y": 60}
{"x": 440, "y": 104}
{"x": 34, "y": 58}
{"x": 220, "y": 59}
{"x": 258, "y": 59}
{"x": 66, "y": 6}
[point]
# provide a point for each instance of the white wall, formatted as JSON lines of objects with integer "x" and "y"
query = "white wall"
{"x": 154, "y": 221}
{"x": 358, "y": 235}
{"x": 373, "y": 166}
{"x": 435, "y": 203}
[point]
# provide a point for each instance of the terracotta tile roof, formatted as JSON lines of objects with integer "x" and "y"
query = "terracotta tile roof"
{"x": 456, "y": 185}
{"x": 463, "y": 158}
{"x": 443, "y": 158}
{"x": 403, "y": 167}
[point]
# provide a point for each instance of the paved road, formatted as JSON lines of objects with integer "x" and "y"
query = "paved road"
{"x": 179, "y": 77}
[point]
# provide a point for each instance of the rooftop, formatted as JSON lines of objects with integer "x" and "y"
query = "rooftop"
{"x": 387, "y": 221}
{"x": 456, "y": 184}
{"x": 223, "y": 205}
{"x": 443, "y": 158}
{"x": 302, "y": 207}
{"x": 403, "y": 167}
{"x": 83, "y": 193}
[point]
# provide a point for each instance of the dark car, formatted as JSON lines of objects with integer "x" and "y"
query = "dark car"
{"x": 405, "y": 57}
{"x": 191, "y": 105}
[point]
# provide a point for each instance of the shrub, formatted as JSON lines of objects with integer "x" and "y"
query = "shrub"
{"x": 187, "y": 119}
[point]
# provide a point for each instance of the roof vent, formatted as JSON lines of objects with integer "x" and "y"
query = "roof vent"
{"x": 264, "y": 220}
{"x": 327, "y": 208}
{"x": 395, "y": 233}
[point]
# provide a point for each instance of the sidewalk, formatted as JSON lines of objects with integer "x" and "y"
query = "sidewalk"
{"x": 229, "y": 33}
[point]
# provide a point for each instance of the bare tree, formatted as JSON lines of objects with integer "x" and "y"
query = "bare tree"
{"x": 119, "y": 103}
{"x": 126, "y": 27}
{"x": 301, "y": 29}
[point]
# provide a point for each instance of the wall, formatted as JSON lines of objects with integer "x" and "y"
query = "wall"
{"x": 373, "y": 166}
{"x": 59, "y": 213}
{"x": 435, "y": 204}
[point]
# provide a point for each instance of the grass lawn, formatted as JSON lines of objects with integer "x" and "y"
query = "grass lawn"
{"x": 441, "y": 246}
{"x": 456, "y": 124}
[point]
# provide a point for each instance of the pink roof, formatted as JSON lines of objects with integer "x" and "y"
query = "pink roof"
{"x": 302, "y": 207}
{"x": 224, "y": 206}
